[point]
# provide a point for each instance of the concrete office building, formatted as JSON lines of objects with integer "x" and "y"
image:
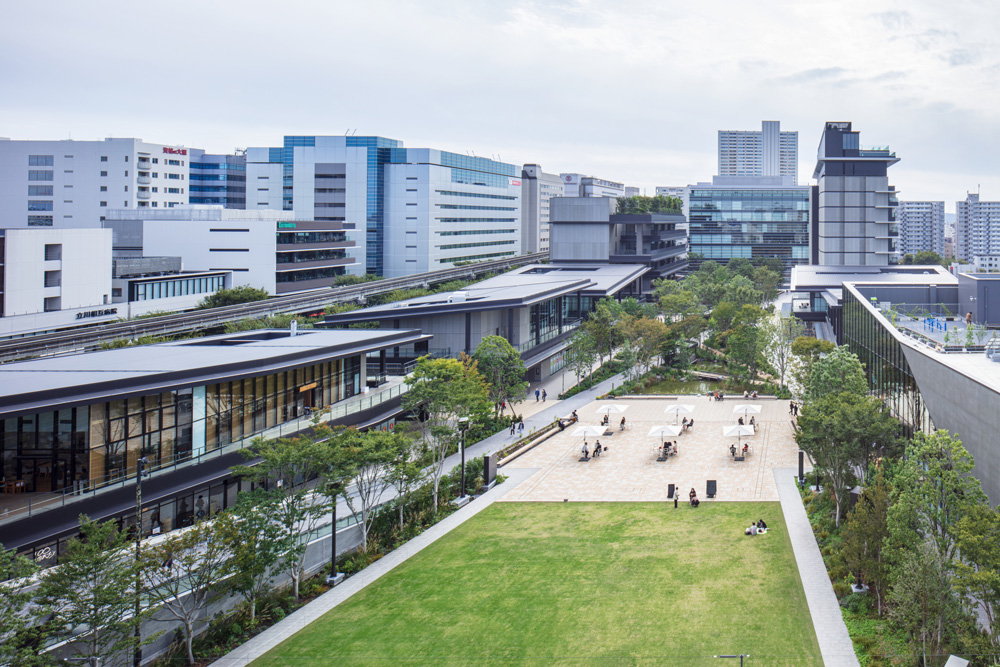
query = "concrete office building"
{"x": 853, "y": 204}
{"x": 921, "y": 227}
{"x": 586, "y": 230}
{"x": 70, "y": 184}
{"x": 578, "y": 185}
{"x": 751, "y": 217}
{"x": 769, "y": 152}
{"x": 977, "y": 227}
{"x": 75, "y": 425}
{"x": 536, "y": 308}
{"x": 537, "y": 188}
{"x": 407, "y": 210}
{"x": 268, "y": 249}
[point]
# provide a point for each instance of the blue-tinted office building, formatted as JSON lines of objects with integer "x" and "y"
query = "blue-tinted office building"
{"x": 751, "y": 217}
{"x": 217, "y": 179}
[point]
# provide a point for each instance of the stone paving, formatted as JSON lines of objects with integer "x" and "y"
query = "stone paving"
{"x": 629, "y": 471}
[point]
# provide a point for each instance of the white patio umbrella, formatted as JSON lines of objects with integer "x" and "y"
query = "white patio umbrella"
{"x": 616, "y": 408}
{"x": 746, "y": 409}
{"x": 679, "y": 409}
{"x": 665, "y": 430}
{"x": 587, "y": 431}
{"x": 738, "y": 431}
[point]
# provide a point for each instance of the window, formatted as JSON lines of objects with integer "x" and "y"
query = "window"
{"x": 156, "y": 189}
{"x": 40, "y": 160}
{"x": 104, "y": 188}
{"x": 39, "y": 220}
{"x": 174, "y": 191}
{"x": 126, "y": 159}
{"x": 104, "y": 203}
{"x": 104, "y": 158}
{"x": 175, "y": 177}
{"x": 53, "y": 251}
{"x": 126, "y": 173}
{"x": 39, "y": 190}
{"x": 175, "y": 163}
{"x": 104, "y": 174}
{"x": 155, "y": 175}
{"x": 126, "y": 188}
{"x": 156, "y": 160}
{"x": 39, "y": 205}
{"x": 39, "y": 175}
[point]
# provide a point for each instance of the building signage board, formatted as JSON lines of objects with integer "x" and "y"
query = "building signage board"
{"x": 96, "y": 313}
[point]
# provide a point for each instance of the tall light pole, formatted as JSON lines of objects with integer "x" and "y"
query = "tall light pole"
{"x": 463, "y": 426}
{"x": 140, "y": 472}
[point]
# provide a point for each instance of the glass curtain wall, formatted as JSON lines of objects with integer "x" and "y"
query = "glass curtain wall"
{"x": 889, "y": 375}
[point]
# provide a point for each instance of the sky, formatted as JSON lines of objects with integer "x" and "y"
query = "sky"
{"x": 629, "y": 90}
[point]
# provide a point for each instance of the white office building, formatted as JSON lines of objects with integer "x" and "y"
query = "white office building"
{"x": 579, "y": 185}
{"x": 921, "y": 227}
{"x": 267, "y": 249}
{"x": 977, "y": 227}
{"x": 680, "y": 192}
{"x": 768, "y": 152}
{"x": 537, "y": 189}
{"x": 70, "y": 184}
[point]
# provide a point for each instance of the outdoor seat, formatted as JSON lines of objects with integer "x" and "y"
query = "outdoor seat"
{"x": 710, "y": 488}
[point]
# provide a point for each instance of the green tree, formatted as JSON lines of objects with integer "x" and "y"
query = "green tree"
{"x": 232, "y": 296}
{"x": 407, "y": 473}
{"x": 722, "y": 317}
{"x": 921, "y": 599}
{"x": 749, "y": 338}
{"x": 93, "y": 589}
{"x": 581, "y": 354}
{"x": 370, "y": 456}
{"x": 977, "y": 571}
{"x": 741, "y": 292}
{"x": 766, "y": 282}
{"x": 640, "y": 204}
{"x": 837, "y": 372}
{"x": 22, "y": 632}
{"x": 502, "y": 367}
{"x": 183, "y": 574}
{"x": 442, "y": 391}
{"x": 679, "y": 304}
{"x": 928, "y": 257}
{"x": 786, "y": 330}
{"x": 865, "y": 532}
{"x": 649, "y": 335}
{"x": 741, "y": 266}
{"x": 254, "y": 541}
{"x": 601, "y": 326}
{"x": 286, "y": 466}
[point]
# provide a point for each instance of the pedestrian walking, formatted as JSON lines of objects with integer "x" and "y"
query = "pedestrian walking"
{"x": 544, "y": 394}
{"x": 537, "y": 395}
{"x": 520, "y": 426}
{"x": 513, "y": 425}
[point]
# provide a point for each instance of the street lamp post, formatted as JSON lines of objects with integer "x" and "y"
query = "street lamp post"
{"x": 335, "y": 576}
{"x": 140, "y": 472}
{"x": 463, "y": 426}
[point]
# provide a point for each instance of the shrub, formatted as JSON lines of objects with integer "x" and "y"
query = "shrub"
{"x": 840, "y": 589}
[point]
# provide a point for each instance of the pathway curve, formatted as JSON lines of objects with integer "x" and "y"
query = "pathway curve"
{"x": 279, "y": 632}
{"x": 831, "y": 631}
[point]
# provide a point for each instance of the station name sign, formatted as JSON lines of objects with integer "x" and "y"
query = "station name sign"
{"x": 175, "y": 151}
{"x": 96, "y": 313}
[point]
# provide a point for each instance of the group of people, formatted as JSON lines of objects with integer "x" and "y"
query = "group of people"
{"x": 686, "y": 424}
{"x": 793, "y": 408}
{"x": 540, "y": 394}
{"x": 753, "y": 422}
{"x": 516, "y": 425}
{"x": 733, "y": 449}
{"x": 717, "y": 395}
{"x": 669, "y": 448}
{"x": 597, "y": 450}
{"x": 758, "y": 528}
{"x": 749, "y": 394}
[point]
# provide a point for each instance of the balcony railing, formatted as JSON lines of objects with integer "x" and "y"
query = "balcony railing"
{"x": 546, "y": 337}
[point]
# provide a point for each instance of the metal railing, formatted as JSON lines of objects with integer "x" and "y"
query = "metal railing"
{"x": 546, "y": 337}
{"x": 42, "y": 503}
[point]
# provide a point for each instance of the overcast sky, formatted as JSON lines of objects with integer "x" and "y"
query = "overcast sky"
{"x": 626, "y": 90}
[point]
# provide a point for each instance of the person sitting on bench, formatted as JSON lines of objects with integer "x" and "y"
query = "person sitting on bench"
{"x": 753, "y": 422}
{"x": 585, "y": 451}
{"x": 621, "y": 424}
{"x": 604, "y": 422}
{"x": 746, "y": 448}
{"x": 732, "y": 449}
{"x": 574, "y": 417}
{"x": 740, "y": 421}
{"x": 597, "y": 449}
{"x": 691, "y": 423}
{"x": 684, "y": 423}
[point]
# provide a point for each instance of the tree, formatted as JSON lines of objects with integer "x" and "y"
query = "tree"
{"x": 740, "y": 292}
{"x": 640, "y": 204}
{"x": 253, "y": 538}
{"x": 648, "y": 335}
{"x": 370, "y": 456}
{"x": 183, "y": 575}
{"x": 679, "y": 304}
{"x": 740, "y": 266}
{"x": 837, "y": 372}
{"x": 749, "y": 338}
{"x": 837, "y": 432}
{"x": 504, "y": 371}
{"x": 285, "y": 466}
{"x": 21, "y": 631}
{"x": 600, "y": 325}
{"x": 936, "y": 489}
{"x": 865, "y": 533}
{"x": 787, "y": 329}
{"x": 921, "y": 599}
{"x": 93, "y": 589}
{"x": 232, "y": 296}
{"x": 581, "y": 354}
{"x": 766, "y": 282}
{"x": 977, "y": 571}
{"x": 442, "y": 391}
{"x": 807, "y": 350}
{"x": 407, "y": 474}
{"x": 926, "y": 257}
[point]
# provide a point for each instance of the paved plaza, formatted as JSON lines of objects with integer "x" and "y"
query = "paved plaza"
{"x": 629, "y": 471}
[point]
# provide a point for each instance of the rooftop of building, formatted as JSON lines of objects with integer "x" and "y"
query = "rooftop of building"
{"x": 814, "y": 277}
{"x": 83, "y": 378}
{"x": 196, "y": 212}
{"x": 521, "y": 287}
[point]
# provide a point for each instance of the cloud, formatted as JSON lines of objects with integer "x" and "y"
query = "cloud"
{"x": 894, "y": 20}
{"x": 959, "y": 57}
{"x": 816, "y": 74}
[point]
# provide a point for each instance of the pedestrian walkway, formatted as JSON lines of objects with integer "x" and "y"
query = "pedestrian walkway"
{"x": 831, "y": 631}
{"x": 284, "y": 629}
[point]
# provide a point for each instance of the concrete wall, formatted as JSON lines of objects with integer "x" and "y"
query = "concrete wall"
{"x": 963, "y": 406}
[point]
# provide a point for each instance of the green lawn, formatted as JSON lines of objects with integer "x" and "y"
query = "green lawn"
{"x": 579, "y": 584}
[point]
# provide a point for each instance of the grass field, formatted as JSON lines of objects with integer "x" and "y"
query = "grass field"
{"x": 579, "y": 584}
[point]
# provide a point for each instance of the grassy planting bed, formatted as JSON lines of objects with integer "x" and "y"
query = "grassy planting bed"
{"x": 579, "y": 584}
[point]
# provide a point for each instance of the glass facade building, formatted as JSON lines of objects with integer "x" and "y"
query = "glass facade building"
{"x": 220, "y": 180}
{"x": 750, "y": 222}
{"x": 868, "y": 335}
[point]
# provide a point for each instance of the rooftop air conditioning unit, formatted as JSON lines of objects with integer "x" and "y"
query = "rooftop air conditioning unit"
{"x": 458, "y": 297}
